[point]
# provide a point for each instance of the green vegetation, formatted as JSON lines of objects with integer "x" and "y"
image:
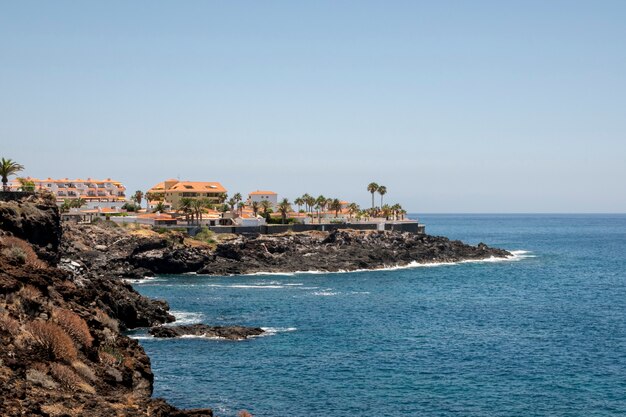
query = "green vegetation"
{"x": 137, "y": 197}
{"x": 205, "y": 235}
{"x": 284, "y": 207}
{"x": 26, "y": 184}
{"x": 7, "y": 168}
{"x": 70, "y": 203}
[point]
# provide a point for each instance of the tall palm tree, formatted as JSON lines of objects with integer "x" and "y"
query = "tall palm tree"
{"x": 372, "y": 188}
{"x": 382, "y": 190}
{"x": 137, "y": 197}
{"x": 284, "y": 207}
{"x": 310, "y": 201}
{"x": 232, "y": 203}
{"x": 255, "y": 208}
{"x": 237, "y": 197}
{"x": 305, "y": 200}
{"x": 240, "y": 206}
{"x": 335, "y": 205}
{"x": 320, "y": 204}
{"x": 185, "y": 206}
{"x": 7, "y": 168}
{"x": 299, "y": 202}
{"x": 222, "y": 197}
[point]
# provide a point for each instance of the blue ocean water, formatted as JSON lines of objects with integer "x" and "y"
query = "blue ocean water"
{"x": 542, "y": 335}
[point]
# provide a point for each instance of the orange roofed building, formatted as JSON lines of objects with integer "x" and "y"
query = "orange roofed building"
{"x": 90, "y": 190}
{"x": 172, "y": 191}
{"x": 259, "y": 196}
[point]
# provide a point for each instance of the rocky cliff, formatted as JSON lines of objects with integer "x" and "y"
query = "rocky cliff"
{"x": 61, "y": 350}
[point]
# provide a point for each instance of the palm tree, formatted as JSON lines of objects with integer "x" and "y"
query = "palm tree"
{"x": 78, "y": 202}
{"x": 222, "y": 197}
{"x": 299, "y": 202}
{"x": 372, "y": 188}
{"x": 396, "y": 209}
{"x": 137, "y": 197}
{"x": 305, "y": 200}
{"x": 382, "y": 190}
{"x": 335, "y": 205}
{"x": 8, "y": 168}
{"x": 160, "y": 207}
{"x": 310, "y": 201}
{"x": 198, "y": 206}
{"x": 284, "y": 207}
{"x": 386, "y": 211}
{"x": 185, "y": 206}
{"x": 232, "y": 203}
{"x": 353, "y": 208}
{"x": 237, "y": 197}
{"x": 240, "y": 207}
{"x": 266, "y": 206}
{"x": 66, "y": 206}
{"x": 255, "y": 208}
{"x": 320, "y": 204}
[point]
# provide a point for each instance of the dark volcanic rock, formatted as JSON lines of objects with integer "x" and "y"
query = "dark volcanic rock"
{"x": 224, "y": 332}
{"x": 61, "y": 351}
{"x": 37, "y": 221}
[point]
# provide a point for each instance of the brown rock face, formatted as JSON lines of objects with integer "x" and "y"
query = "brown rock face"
{"x": 61, "y": 350}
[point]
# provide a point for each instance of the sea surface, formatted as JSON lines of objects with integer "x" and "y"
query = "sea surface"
{"x": 543, "y": 334}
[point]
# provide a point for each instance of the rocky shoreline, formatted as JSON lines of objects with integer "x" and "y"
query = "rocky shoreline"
{"x": 65, "y": 300}
{"x": 101, "y": 248}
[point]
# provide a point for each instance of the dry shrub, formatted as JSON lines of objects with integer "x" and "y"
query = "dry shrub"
{"x": 73, "y": 325}
{"x": 9, "y": 324}
{"x": 40, "y": 378}
{"x": 107, "y": 321}
{"x": 84, "y": 371}
{"x": 107, "y": 358}
{"x": 53, "y": 340}
{"x": 69, "y": 379}
{"x": 30, "y": 293}
{"x": 21, "y": 251}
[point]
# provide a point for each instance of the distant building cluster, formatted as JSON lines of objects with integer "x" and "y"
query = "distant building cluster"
{"x": 90, "y": 190}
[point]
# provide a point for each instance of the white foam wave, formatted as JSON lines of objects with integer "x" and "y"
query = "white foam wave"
{"x": 141, "y": 337}
{"x": 269, "y": 331}
{"x": 186, "y": 317}
{"x": 262, "y": 273}
{"x": 325, "y": 293}
{"x": 144, "y": 280}
{"x": 516, "y": 255}
{"x": 255, "y": 286}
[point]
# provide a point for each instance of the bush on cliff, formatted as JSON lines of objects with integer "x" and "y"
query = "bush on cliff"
{"x": 53, "y": 340}
{"x": 73, "y": 325}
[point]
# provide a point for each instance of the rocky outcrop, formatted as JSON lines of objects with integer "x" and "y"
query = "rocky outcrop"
{"x": 202, "y": 330}
{"x": 61, "y": 349}
{"x": 35, "y": 220}
{"x": 133, "y": 255}
{"x": 340, "y": 250}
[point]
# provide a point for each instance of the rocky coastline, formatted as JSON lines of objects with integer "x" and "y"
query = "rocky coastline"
{"x": 103, "y": 248}
{"x": 65, "y": 300}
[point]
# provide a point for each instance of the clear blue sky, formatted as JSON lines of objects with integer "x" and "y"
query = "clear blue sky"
{"x": 455, "y": 106}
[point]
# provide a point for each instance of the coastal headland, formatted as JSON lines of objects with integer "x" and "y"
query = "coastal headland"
{"x": 65, "y": 300}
